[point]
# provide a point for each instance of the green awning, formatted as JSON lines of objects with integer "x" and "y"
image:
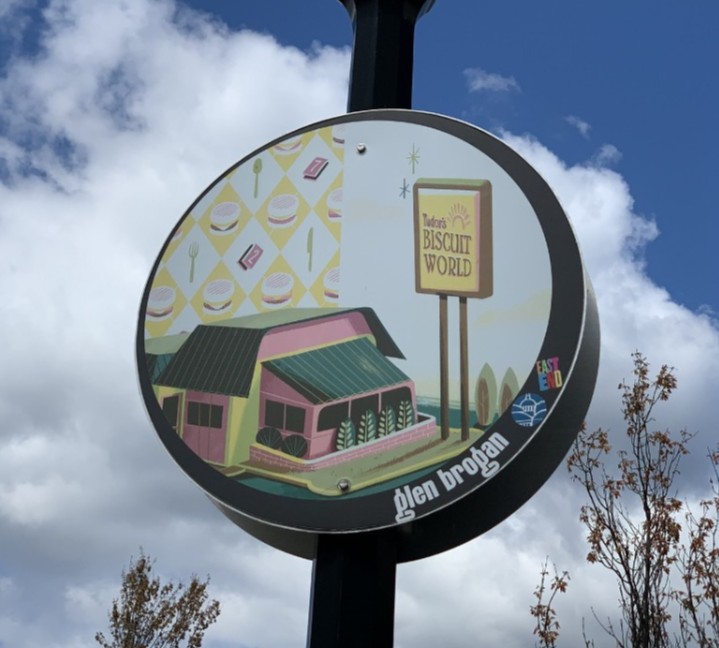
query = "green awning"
{"x": 337, "y": 371}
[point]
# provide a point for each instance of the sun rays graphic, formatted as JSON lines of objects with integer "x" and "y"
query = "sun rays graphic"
{"x": 458, "y": 212}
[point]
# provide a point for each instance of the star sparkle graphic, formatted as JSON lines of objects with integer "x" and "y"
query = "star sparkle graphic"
{"x": 404, "y": 189}
{"x": 413, "y": 157}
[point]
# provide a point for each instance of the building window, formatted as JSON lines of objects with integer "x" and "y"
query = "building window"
{"x": 332, "y": 416}
{"x": 170, "y": 408}
{"x": 295, "y": 419}
{"x": 284, "y": 417}
{"x": 274, "y": 414}
{"x": 362, "y": 405}
{"x": 204, "y": 414}
{"x": 394, "y": 397}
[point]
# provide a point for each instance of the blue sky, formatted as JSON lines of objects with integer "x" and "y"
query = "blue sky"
{"x": 115, "y": 116}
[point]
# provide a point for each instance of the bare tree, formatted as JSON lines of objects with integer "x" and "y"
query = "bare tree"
{"x": 699, "y": 562}
{"x": 547, "y": 626}
{"x": 149, "y": 614}
{"x": 633, "y": 513}
{"x": 633, "y": 518}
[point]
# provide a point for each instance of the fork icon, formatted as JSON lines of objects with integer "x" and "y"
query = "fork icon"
{"x": 193, "y": 251}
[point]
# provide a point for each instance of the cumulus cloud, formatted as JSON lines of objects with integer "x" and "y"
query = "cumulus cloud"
{"x": 479, "y": 80}
{"x": 634, "y": 312}
{"x": 500, "y": 569}
{"x": 128, "y": 112}
{"x": 124, "y": 117}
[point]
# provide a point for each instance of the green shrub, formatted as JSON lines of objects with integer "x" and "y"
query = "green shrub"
{"x": 346, "y": 435}
{"x": 387, "y": 421}
{"x": 367, "y": 428}
{"x": 406, "y": 415}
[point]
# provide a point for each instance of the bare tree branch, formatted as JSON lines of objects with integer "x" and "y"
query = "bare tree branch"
{"x": 634, "y": 522}
{"x": 149, "y": 614}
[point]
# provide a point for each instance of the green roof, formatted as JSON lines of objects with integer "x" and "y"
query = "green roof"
{"x": 166, "y": 344}
{"x": 215, "y": 360}
{"x": 220, "y": 358}
{"x": 286, "y": 316}
{"x": 337, "y": 371}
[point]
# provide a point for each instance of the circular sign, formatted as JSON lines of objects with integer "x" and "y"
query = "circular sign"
{"x": 380, "y": 321}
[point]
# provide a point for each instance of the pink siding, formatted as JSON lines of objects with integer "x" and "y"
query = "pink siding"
{"x": 313, "y": 333}
{"x": 320, "y": 442}
{"x": 276, "y": 389}
{"x": 206, "y": 442}
{"x": 425, "y": 429}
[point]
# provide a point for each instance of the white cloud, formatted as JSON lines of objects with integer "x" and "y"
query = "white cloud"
{"x": 607, "y": 155}
{"x": 479, "y": 80}
{"x": 122, "y": 120}
{"x": 582, "y": 126}
{"x": 126, "y": 116}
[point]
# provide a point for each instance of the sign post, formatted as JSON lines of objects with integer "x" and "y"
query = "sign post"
{"x": 354, "y": 576}
{"x": 353, "y": 591}
{"x": 453, "y": 256}
{"x": 382, "y": 52}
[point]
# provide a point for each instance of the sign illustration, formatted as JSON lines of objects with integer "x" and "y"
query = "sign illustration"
{"x": 453, "y": 237}
{"x": 453, "y": 256}
{"x": 299, "y": 350}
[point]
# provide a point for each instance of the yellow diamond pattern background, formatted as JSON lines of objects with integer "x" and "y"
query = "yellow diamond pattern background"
{"x": 219, "y": 259}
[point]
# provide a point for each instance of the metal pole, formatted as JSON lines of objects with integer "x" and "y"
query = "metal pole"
{"x": 353, "y": 576}
{"x": 382, "y": 52}
{"x": 443, "y": 367}
{"x": 464, "y": 366}
{"x": 353, "y": 591}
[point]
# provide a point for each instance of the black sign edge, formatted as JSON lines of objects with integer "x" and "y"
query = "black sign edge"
{"x": 278, "y": 534}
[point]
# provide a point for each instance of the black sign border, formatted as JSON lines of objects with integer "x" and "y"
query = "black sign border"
{"x": 474, "y": 506}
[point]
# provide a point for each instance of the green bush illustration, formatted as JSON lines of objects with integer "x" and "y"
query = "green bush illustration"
{"x": 295, "y": 445}
{"x": 387, "y": 422}
{"x": 346, "y": 435}
{"x": 367, "y": 428}
{"x": 405, "y": 416}
{"x": 270, "y": 437}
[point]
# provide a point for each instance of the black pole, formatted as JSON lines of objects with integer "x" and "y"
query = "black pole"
{"x": 382, "y": 52}
{"x": 353, "y": 591}
{"x": 353, "y": 576}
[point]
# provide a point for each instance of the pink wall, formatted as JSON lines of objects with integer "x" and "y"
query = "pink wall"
{"x": 273, "y": 387}
{"x": 208, "y": 443}
{"x": 273, "y": 459}
{"x": 313, "y": 333}
{"x": 297, "y": 337}
{"x": 319, "y": 443}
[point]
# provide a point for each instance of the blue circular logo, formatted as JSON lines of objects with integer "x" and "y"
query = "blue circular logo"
{"x": 529, "y": 410}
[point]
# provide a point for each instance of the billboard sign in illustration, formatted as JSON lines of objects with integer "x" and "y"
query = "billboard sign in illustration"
{"x": 289, "y": 350}
{"x": 453, "y": 236}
